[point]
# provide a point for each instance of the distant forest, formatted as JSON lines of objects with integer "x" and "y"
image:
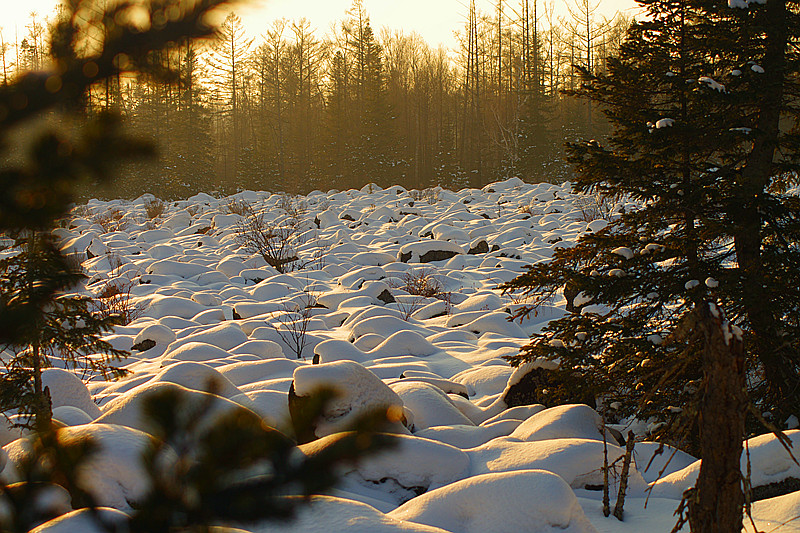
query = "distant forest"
{"x": 292, "y": 111}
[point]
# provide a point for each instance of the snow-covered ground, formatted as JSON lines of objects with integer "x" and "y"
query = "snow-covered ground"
{"x": 465, "y": 462}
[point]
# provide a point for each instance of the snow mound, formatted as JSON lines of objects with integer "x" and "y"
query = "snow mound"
{"x": 245, "y": 372}
{"x": 84, "y": 521}
{"x": 579, "y": 462}
{"x": 358, "y": 392}
{"x": 562, "y": 421}
{"x": 403, "y": 342}
{"x": 199, "y": 377}
{"x": 67, "y": 389}
{"x": 153, "y": 335}
{"x": 431, "y": 406}
{"x": 112, "y": 474}
{"x": 464, "y": 437}
{"x": 497, "y": 322}
{"x": 71, "y": 416}
{"x": 161, "y": 306}
{"x": 128, "y": 408}
{"x": 194, "y": 351}
{"x": 534, "y": 501}
{"x": 338, "y": 350}
{"x": 769, "y": 463}
{"x": 428, "y": 250}
{"x": 649, "y": 462}
{"x": 227, "y": 335}
{"x": 411, "y": 466}
{"x": 339, "y": 515}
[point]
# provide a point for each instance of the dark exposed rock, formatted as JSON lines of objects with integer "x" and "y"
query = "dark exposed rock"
{"x": 481, "y": 247}
{"x": 144, "y": 345}
{"x": 771, "y": 490}
{"x": 437, "y": 255}
{"x": 386, "y": 297}
{"x": 617, "y": 434}
{"x": 300, "y": 408}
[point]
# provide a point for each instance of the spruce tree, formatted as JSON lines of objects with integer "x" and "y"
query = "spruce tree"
{"x": 688, "y": 103}
{"x": 66, "y": 328}
{"x": 669, "y": 302}
{"x": 371, "y": 151}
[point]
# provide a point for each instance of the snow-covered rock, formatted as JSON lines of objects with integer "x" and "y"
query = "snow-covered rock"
{"x": 112, "y": 473}
{"x": 529, "y": 500}
{"x": 66, "y": 388}
{"x": 357, "y": 392}
{"x": 409, "y": 467}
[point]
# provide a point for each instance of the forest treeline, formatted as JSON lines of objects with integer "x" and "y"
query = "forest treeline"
{"x": 290, "y": 110}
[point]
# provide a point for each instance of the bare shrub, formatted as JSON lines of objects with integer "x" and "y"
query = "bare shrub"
{"x": 429, "y": 195}
{"x": 155, "y": 208}
{"x": 115, "y": 299}
{"x": 110, "y": 219}
{"x": 273, "y": 242}
{"x": 319, "y": 256}
{"x": 294, "y": 206}
{"x": 422, "y": 284}
{"x": 291, "y": 323}
{"x": 594, "y": 208}
{"x": 238, "y": 207}
{"x": 77, "y": 212}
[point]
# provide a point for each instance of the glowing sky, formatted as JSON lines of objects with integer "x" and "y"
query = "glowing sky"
{"x": 435, "y": 20}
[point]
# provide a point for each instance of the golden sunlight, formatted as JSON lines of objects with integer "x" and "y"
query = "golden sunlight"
{"x": 436, "y": 21}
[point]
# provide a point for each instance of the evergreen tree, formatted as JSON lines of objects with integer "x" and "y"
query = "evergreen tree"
{"x": 764, "y": 218}
{"x": 699, "y": 146}
{"x": 305, "y": 102}
{"x": 66, "y": 329}
{"x": 337, "y": 116}
{"x": 371, "y": 114}
{"x": 270, "y": 64}
{"x": 687, "y": 102}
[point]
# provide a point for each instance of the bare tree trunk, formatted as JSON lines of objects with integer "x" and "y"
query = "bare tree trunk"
{"x": 619, "y": 508}
{"x": 716, "y": 505}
